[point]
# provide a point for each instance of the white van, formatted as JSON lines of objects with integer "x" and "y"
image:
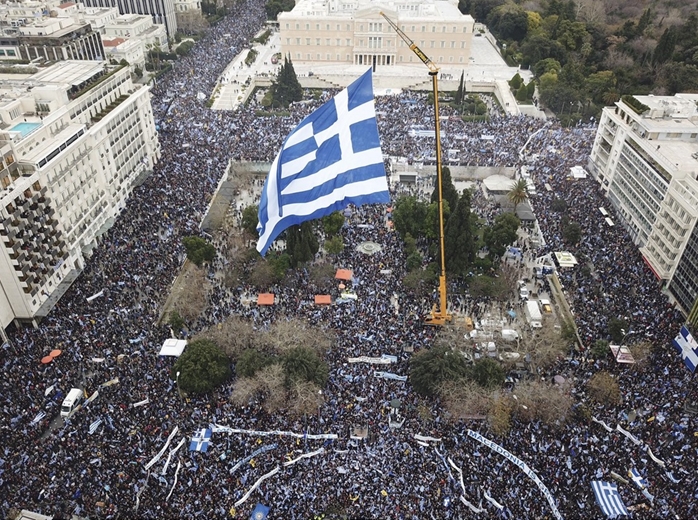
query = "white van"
{"x": 71, "y": 401}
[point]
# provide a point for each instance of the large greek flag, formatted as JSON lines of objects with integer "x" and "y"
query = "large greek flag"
{"x": 331, "y": 159}
{"x": 686, "y": 344}
{"x": 609, "y": 499}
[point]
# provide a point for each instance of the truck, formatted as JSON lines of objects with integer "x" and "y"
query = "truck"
{"x": 533, "y": 315}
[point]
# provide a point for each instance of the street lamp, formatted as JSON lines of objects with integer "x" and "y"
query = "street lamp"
{"x": 179, "y": 390}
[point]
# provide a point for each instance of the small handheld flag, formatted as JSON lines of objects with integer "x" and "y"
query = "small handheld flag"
{"x": 686, "y": 344}
{"x": 331, "y": 159}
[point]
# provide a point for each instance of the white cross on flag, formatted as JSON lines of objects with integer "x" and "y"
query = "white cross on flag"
{"x": 200, "y": 441}
{"x": 686, "y": 344}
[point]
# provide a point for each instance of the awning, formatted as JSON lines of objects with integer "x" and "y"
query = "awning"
{"x": 173, "y": 347}
{"x": 265, "y": 299}
{"x": 344, "y": 274}
{"x": 323, "y": 299}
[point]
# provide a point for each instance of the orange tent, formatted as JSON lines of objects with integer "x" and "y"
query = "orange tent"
{"x": 55, "y": 353}
{"x": 46, "y": 360}
{"x": 265, "y": 299}
{"x": 322, "y": 299}
{"x": 343, "y": 274}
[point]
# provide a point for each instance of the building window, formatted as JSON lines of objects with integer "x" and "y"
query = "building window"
{"x": 317, "y": 42}
{"x": 327, "y": 42}
{"x": 297, "y": 27}
{"x": 443, "y": 44}
{"x": 298, "y": 41}
{"x": 307, "y": 41}
{"x": 288, "y": 41}
{"x": 287, "y": 25}
{"x": 453, "y": 45}
{"x": 431, "y": 44}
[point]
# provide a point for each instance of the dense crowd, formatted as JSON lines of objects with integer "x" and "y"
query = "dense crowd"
{"x": 388, "y": 475}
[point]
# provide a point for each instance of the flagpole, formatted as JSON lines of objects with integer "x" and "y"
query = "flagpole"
{"x": 440, "y": 316}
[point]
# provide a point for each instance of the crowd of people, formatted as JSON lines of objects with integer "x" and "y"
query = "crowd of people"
{"x": 62, "y": 467}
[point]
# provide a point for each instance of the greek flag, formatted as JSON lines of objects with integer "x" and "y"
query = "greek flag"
{"x": 260, "y": 512}
{"x": 608, "y": 498}
{"x": 686, "y": 344}
{"x": 641, "y": 483}
{"x": 331, "y": 159}
{"x": 200, "y": 440}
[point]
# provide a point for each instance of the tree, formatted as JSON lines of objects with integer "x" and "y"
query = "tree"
{"x": 274, "y": 7}
{"x": 460, "y": 93}
{"x": 429, "y": 369}
{"x": 558, "y": 205}
{"x": 301, "y": 243}
{"x": 515, "y": 82}
{"x": 665, "y": 46}
{"x": 198, "y": 250}
{"x": 250, "y": 218}
{"x": 518, "y": 193}
{"x": 285, "y": 88}
{"x": 460, "y": 238}
{"x": 501, "y": 233}
{"x": 409, "y": 215}
{"x": 334, "y": 245}
{"x": 617, "y": 329}
{"x": 332, "y": 223}
{"x": 604, "y": 389}
{"x": 202, "y": 367}
{"x": 490, "y": 287}
{"x": 572, "y": 233}
{"x": 191, "y": 22}
{"x": 487, "y": 373}
{"x": 302, "y": 364}
{"x": 449, "y": 191}
{"x": 508, "y": 22}
{"x": 414, "y": 261}
{"x": 175, "y": 321}
{"x": 600, "y": 349}
{"x": 250, "y": 362}
{"x": 546, "y": 65}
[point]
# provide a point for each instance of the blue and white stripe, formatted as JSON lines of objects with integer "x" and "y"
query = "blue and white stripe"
{"x": 330, "y": 160}
{"x": 609, "y": 499}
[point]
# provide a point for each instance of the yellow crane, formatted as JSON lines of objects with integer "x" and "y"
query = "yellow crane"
{"x": 438, "y": 316}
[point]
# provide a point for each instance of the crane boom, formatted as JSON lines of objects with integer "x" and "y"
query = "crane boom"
{"x": 413, "y": 46}
{"x": 440, "y": 316}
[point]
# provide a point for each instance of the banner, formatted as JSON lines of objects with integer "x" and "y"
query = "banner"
{"x": 226, "y": 429}
{"x": 383, "y": 360}
{"x": 471, "y": 506}
{"x": 251, "y": 456}
{"x": 172, "y": 452}
{"x": 522, "y": 466}
{"x": 179, "y": 466}
{"x": 629, "y": 435}
{"x": 493, "y": 501}
{"x": 141, "y": 403}
{"x": 95, "y": 296}
{"x": 606, "y": 426}
{"x": 658, "y": 461}
{"x": 109, "y": 383}
{"x": 304, "y": 456}
{"x": 256, "y": 485}
{"x": 426, "y": 438}
{"x": 390, "y": 375}
{"x": 157, "y": 457}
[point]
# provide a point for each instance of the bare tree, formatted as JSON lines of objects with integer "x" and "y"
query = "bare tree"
{"x": 604, "y": 389}
{"x": 499, "y": 415}
{"x": 592, "y": 11}
{"x": 542, "y": 401}
{"x": 306, "y": 398}
{"x": 286, "y": 334}
{"x": 544, "y": 346}
{"x": 191, "y": 22}
{"x": 245, "y": 390}
{"x": 233, "y": 336}
{"x": 465, "y": 400}
{"x": 190, "y": 298}
{"x": 271, "y": 381}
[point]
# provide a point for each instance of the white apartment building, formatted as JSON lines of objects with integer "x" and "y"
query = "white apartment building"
{"x": 98, "y": 17}
{"x": 137, "y": 26}
{"x": 645, "y": 156}
{"x": 354, "y": 32}
{"x": 74, "y": 139}
{"x": 131, "y": 50}
{"x": 182, "y": 6}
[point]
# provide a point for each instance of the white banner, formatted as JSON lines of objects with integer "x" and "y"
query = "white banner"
{"x": 471, "y": 506}
{"x": 426, "y": 438}
{"x": 390, "y": 375}
{"x": 141, "y": 403}
{"x": 215, "y": 428}
{"x": 256, "y": 485}
{"x": 172, "y": 452}
{"x": 658, "y": 461}
{"x": 493, "y": 501}
{"x": 629, "y": 435}
{"x": 252, "y": 455}
{"x": 157, "y": 457}
{"x": 304, "y": 456}
{"x": 179, "y": 466}
{"x": 460, "y": 473}
{"x": 95, "y": 296}
{"x": 606, "y": 426}
{"x": 110, "y": 382}
{"x": 383, "y": 360}
{"x": 522, "y": 466}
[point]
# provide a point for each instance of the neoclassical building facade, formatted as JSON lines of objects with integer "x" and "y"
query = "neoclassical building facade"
{"x": 354, "y": 32}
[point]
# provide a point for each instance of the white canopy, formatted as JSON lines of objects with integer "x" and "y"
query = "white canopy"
{"x": 173, "y": 347}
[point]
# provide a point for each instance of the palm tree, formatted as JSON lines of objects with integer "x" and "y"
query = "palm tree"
{"x": 518, "y": 193}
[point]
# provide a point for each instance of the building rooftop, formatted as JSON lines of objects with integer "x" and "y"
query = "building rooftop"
{"x": 69, "y": 72}
{"x": 113, "y": 43}
{"x": 414, "y": 9}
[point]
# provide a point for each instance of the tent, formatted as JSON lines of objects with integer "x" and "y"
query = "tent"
{"x": 322, "y": 299}
{"x": 344, "y": 274}
{"x": 260, "y": 512}
{"x": 265, "y": 299}
{"x": 173, "y": 347}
